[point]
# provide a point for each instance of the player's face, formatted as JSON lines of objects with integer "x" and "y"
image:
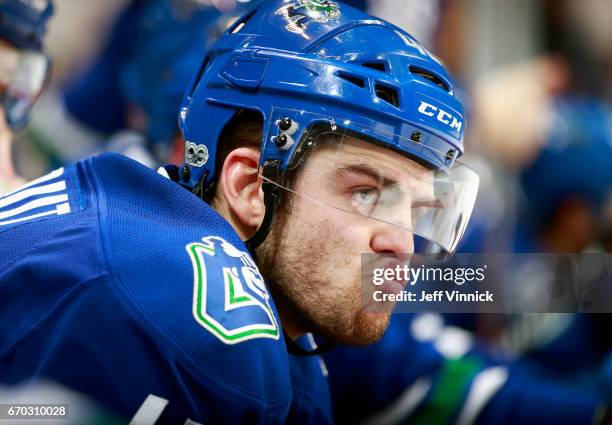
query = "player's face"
{"x": 9, "y": 62}
{"x": 22, "y": 77}
{"x": 313, "y": 254}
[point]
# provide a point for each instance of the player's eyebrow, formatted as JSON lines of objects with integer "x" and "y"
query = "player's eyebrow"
{"x": 367, "y": 170}
{"x": 433, "y": 203}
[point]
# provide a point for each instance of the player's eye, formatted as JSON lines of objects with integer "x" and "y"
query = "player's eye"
{"x": 364, "y": 199}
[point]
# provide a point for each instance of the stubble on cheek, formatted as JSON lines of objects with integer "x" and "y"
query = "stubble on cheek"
{"x": 315, "y": 266}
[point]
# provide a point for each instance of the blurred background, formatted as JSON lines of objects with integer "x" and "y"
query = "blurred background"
{"x": 536, "y": 79}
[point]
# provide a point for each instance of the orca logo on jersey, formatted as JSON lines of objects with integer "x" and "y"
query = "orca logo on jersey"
{"x": 230, "y": 298}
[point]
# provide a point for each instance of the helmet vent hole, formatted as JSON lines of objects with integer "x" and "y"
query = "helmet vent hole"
{"x": 378, "y": 66}
{"x": 388, "y": 94}
{"x": 359, "y": 82}
{"x": 429, "y": 76}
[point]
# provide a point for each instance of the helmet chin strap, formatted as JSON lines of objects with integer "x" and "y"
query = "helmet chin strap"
{"x": 271, "y": 172}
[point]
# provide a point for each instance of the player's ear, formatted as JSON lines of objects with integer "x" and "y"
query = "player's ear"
{"x": 240, "y": 187}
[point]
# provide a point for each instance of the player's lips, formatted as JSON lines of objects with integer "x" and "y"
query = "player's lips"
{"x": 394, "y": 286}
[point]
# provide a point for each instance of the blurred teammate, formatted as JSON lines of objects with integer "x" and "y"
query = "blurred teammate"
{"x": 149, "y": 55}
{"x": 312, "y": 145}
{"x": 23, "y": 72}
{"x": 426, "y": 371}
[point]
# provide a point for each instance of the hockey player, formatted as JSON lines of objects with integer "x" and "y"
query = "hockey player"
{"x": 378, "y": 388}
{"x": 313, "y": 140}
{"x": 23, "y": 71}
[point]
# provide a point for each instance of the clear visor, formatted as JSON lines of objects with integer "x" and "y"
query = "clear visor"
{"x": 380, "y": 177}
{"x": 22, "y": 77}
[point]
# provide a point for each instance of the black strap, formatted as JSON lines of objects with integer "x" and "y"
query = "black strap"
{"x": 271, "y": 173}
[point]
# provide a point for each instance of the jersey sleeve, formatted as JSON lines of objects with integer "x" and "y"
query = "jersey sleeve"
{"x": 140, "y": 292}
{"x": 49, "y": 248}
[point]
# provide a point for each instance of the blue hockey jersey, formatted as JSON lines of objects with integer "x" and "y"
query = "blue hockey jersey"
{"x": 120, "y": 284}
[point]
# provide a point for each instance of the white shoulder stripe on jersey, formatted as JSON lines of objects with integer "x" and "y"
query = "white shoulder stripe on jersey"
{"x": 314, "y": 346}
{"x": 397, "y": 412}
{"x": 61, "y": 209}
{"x": 149, "y": 411}
{"x": 41, "y": 202}
{"x": 484, "y": 386}
{"x": 27, "y": 193}
{"x": 52, "y": 175}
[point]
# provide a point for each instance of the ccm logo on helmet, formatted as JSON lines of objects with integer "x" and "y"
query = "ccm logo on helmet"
{"x": 442, "y": 116}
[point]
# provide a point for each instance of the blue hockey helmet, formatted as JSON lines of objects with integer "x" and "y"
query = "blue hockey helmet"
{"x": 23, "y": 23}
{"x": 24, "y": 68}
{"x": 321, "y": 72}
{"x": 146, "y": 61}
{"x": 167, "y": 43}
{"x": 152, "y": 50}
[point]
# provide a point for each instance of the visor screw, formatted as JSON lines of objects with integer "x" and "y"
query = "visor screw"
{"x": 416, "y": 137}
{"x": 185, "y": 172}
{"x": 285, "y": 124}
{"x": 450, "y": 155}
{"x": 281, "y": 140}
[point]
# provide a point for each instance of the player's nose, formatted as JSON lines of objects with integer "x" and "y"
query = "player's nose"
{"x": 390, "y": 239}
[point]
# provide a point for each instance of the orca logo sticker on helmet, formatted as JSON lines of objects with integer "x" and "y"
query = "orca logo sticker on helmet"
{"x": 196, "y": 155}
{"x": 302, "y": 12}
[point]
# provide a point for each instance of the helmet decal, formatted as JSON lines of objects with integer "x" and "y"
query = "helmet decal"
{"x": 196, "y": 155}
{"x": 302, "y": 12}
